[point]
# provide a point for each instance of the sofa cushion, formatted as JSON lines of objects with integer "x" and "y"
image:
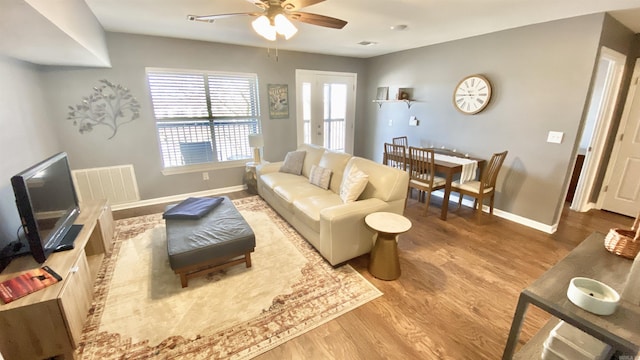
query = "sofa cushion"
{"x": 320, "y": 176}
{"x": 336, "y": 162}
{"x": 385, "y": 183}
{"x": 353, "y": 184}
{"x": 314, "y": 153}
{"x": 271, "y": 180}
{"x": 308, "y": 209}
{"x": 293, "y": 162}
{"x": 293, "y": 191}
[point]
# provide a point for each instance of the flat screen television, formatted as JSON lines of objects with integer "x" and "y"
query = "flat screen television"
{"x": 48, "y": 205}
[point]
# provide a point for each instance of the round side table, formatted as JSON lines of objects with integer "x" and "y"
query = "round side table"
{"x": 384, "y": 263}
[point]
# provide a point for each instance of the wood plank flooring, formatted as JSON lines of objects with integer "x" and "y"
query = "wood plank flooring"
{"x": 458, "y": 290}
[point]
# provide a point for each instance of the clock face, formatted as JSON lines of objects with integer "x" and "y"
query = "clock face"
{"x": 472, "y": 94}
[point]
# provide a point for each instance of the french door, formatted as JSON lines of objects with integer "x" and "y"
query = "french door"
{"x": 326, "y": 109}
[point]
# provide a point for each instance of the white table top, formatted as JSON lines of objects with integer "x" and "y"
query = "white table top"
{"x": 387, "y": 222}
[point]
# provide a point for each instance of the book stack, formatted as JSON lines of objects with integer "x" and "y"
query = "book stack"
{"x": 27, "y": 283}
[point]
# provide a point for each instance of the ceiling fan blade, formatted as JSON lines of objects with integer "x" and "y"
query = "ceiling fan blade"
{"x": 298, "y": 4}
{"x": 262, "y": 4}
{"x": 212, "y": 18}
{"x": 315, "y": 19}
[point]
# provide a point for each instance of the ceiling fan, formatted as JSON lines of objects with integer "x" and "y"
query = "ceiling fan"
{"x": 275, "y": 15}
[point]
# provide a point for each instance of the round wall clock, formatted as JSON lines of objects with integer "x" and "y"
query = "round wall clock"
{"x": 472, "y": 94}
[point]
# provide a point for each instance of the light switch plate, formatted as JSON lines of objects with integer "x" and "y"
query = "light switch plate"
{"x": 390, "y": 122}
{"x": 555, "y": 137}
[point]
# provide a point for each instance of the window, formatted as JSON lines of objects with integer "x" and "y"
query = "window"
{"x": 204, "y": 117}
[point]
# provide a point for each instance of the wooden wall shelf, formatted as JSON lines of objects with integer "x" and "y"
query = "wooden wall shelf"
{"x": 380, "y": 102}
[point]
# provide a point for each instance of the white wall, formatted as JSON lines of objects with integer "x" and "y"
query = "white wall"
{"x": 541, "y": 76}
{"x": 27, "y": 134}
{"x": 136, "y": 142}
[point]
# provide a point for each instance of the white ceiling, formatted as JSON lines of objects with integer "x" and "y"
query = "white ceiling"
{"x": 428, "y": 21}
{"x": 25, "y": 35}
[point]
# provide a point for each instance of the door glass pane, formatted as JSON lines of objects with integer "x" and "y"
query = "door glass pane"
{"x": 306, "y": 111}
{"x": 335, "y": 105}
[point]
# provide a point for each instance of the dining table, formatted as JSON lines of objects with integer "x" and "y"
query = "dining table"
{"x": 448, "y": 164}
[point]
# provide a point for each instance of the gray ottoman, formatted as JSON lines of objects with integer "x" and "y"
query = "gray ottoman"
{"x": 214, "y": 242}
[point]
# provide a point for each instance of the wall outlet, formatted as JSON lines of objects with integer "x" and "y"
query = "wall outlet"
{"x": 390, "y": 122}
{"x": 205, "y": 176}
{"x": 555, "y": 137}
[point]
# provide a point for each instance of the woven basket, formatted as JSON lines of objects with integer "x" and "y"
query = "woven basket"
{"x": 625, "y": 243}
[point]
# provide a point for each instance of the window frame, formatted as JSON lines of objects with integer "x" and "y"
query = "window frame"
{"x": 212, "y": 165}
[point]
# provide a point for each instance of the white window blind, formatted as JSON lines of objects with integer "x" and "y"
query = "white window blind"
{"x": 204, "y": 117}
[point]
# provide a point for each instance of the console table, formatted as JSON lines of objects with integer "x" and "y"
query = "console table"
{"x": 49, "y": 322}
{"x": 590, "y": 259}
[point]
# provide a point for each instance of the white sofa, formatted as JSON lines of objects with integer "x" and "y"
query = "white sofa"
{"x": 336, "y": 229}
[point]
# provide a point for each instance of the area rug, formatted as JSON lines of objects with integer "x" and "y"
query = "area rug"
{"x": 140, "y": 311}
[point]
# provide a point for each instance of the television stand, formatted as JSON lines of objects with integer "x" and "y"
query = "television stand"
{"x": 48, "y": 323}
{"x": 69, "y": 238}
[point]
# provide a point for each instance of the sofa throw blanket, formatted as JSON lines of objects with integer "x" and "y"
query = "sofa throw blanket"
{"x": 192, "y": 208}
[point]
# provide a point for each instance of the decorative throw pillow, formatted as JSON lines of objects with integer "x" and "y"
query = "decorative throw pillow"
{"x": 353, "y": 184}
{"x": 293, "y": 162}
{"x": 320, "y": 176}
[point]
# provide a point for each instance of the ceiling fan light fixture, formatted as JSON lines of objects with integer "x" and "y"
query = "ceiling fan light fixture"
{"x": 284, "y": 27}
{"x": 263, "y": 27}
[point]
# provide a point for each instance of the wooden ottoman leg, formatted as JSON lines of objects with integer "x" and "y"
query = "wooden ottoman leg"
{"x": 247, "y": 258}
{"x": 183, "y": 280}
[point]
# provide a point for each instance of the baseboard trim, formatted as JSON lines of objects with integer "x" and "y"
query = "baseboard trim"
{"x": 176, "y": 198}
{"x": 549, "y": 229}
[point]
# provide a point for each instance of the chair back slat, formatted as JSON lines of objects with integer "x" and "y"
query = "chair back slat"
{"x": 421, "y": 165}
{"x": 395, "y": 156}
{"x": 492, "y": 169}
{"x": 400, "y": 140}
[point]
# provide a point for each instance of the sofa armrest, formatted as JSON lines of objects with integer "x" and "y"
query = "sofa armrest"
{"x": 268, "y": 168}
{"x": 343, "y": 232}
{"x": 353, "y": 210}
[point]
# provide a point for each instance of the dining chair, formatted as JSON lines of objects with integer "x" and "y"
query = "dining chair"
{"x": 395, "y": 156}
{"x": 400, "y": 140}
{"x": 422, "y": 174}
{"x": 483, "y": 188}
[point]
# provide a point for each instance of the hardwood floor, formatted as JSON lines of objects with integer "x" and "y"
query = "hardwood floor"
{"x": 458, "y": 290}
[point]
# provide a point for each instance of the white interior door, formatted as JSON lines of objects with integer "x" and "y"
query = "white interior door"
{"x": 604, "y": 97}
{"x": 326, "y": 109}
{"x": 621, "y": 193}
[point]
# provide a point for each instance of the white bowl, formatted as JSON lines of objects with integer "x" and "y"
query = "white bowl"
{"x": 593, "y": 296}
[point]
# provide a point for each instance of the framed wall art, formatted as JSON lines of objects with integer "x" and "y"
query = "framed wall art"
{"x": 382, "y": 93}
{"x": 278, "y": 101}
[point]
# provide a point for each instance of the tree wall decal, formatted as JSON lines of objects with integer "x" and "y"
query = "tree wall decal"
{"x": 110, "y": 105}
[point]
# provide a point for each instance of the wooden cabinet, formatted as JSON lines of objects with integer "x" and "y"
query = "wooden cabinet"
{"x": 49, "y": 322}
{"x": 75, "y": 299}
{"x": 101, "y": 240}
